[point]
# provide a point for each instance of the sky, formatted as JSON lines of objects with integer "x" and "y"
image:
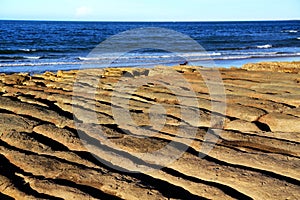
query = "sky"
{"x": 150, "y": 10}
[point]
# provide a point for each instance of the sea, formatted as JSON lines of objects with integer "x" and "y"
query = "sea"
{"x": 39, "y": 46}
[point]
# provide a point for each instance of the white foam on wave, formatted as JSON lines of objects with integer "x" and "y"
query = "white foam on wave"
{"x": 266, "y": 46}
{"x": 24, "y": 49}
{"x": 38, "y": 64}
{"x": 259, "y": 55}
{"x": 290, "y": 31}
{"x": 234, "y": 57}
{"x": 200, "y": 54}
{"x": 150, "y": 56}
{"x": 96, "y": 58}
{"x": 27, "y": 50}
{"x": 88, "y": 58}
{"x": 33, "y": 57}
{"x": 251, "y": 53}
{"x": 125, "y": 62}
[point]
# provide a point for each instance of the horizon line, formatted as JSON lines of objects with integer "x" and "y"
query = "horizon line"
{"x": 74, "y": 20}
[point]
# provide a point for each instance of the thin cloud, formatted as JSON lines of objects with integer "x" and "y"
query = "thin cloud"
{"x": 83, "y": 11}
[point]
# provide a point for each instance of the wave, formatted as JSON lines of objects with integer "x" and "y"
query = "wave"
{"x": 11, "y": 57}
{"x": 38, "y": 64}
{"x": 125, "y": 61}
{"x": 278, "y": 55}
{"x": 15, "y": 51}
{"x": 251, "y": 53}
{"x": 290, "y": 31}
{"x": 27, "y": 50}
{"x": 29, "y": 57}
{"x": 149, "y": 56}
{"x": 91, "y": 58}
{"x": 266, "y": 46}
{"x": 201, "y": 54}
{"x": 32, "y": 57}
{"x": 51, "y": 56}
{"x": 20, "y": 57}
{"x": 50, "y": 50}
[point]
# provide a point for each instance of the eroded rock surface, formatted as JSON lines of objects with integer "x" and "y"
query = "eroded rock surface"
{"x": 289, "y": 67}
{"x": 189, "y": 133}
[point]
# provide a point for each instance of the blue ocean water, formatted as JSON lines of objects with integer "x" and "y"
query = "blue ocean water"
{"x": 38, "y": 46}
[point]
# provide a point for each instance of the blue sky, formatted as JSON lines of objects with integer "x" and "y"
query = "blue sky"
{"x": 150, "y": 10}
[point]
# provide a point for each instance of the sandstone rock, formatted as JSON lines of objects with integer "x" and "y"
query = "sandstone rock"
{"x": 279, "y": 122}
{"x": 7, "y": 187}
{"x": 66, "y": 74}
{"x": 31, "y": 101}
{"x": 37, "y": 112}
{"x": 15, "y": 79}
{"x": 289, "y": 67}
{"x": 55, "y": 190}
{"x": 242, "y": 126}
{"x": 63, "y": 136}
{"x": 243, "y": 112}
{"x": 55, "y": 157}
{"x": 186, "y": 68}
{"x": 11, "y": 122}
{"x": 294, "y": 111}
{"x": 48, "y": 167}
{"x": 126, "y": 72}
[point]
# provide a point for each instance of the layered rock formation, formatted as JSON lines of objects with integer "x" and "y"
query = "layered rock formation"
{"x": 80, "y": 134}
{"x": 288, "y": 67}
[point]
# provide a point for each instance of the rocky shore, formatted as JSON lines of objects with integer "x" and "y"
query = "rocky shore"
{"x": 62, "y": 133}
{"x": 289, "y": 67}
